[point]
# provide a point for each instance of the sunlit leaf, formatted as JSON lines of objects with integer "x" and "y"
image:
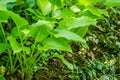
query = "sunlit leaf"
{"x": 3, "y": 7}
{"x": 45, "y": 6}
{"x": 69, "y": 23}
{"x": 70, "y": 36}
{"x": 7, "y": 1}
{"x": 26, "y": 49}
{"x": 40, "y": 32}
{"x": 56, "y": 43}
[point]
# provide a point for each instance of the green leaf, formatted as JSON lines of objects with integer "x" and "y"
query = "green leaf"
{"x": 45, "y": 6}
{"x": 26, "y": 49}
{"x": 75, "y": 9}
{"x": 63, "y": 13}
{"x": 88, "y": 14}
{"x": 2, "y": 78}
{"x": 3, "y": 7}
{"x": 4, "y": 16}
{"x": 58, "y": 3}
{"x": 112, "y": 3}
{"x": 19, "y": 21}
{"x": 66, "y": 23}
{"x": 14, "y": 44}
{"x": 3, "y": 47}
{"x": 14, "y": 32}
{"x": 70, "y": 23}
{"x": 98, "y": 12}
{"x": 56, "y": 43}
{"x": 40, "y": 32}
{"x": 30, "y": 3}
{"x": 70, "y": 36}
{"x": 83, "y": 21}
{"x": 68, "y": 64}
{"x": 81, "y": 31}
{"x": 7, "y": 1}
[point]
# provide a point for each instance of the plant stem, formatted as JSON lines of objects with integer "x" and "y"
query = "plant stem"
{"x": 9, "y": 52}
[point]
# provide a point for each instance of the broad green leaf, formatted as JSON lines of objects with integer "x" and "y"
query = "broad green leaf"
{"x": 44, "y": 22}
{"x": 26, "y": 49}
{"x": 87, "y": 2}
{"x": 70, "y": 36}
{"x": 25, "y": 31}
{"x": 3, "y": 7}
{"x": 81, "y": 31}
{"x": 14, "y": 44}
{"x": 84, "y": 2}
{"x": 70, "y": 23}
{"x": 30, "y": 3}
{"x": 66, "y": 23}
{"x": 19, "y": 21}
{"x": 67, "y": 13}
{"x": 56, "y": 43}
{"x": 98, "y": 12}
{"x": 45, "y": 6}
{"x": 40, "y": 32}
{"x": 7, "y": 1}
{"x": 3, "y": 47}
{"x": 83, "y": 21}
{"x": 68, "y": 64}
{"x": 88, "y": 14}
{"x": 4, "y": 16}
{"x": 14, "y": 32}
{"x": 43, "y": 33}
{"x": 112, "y": 3}
{"x": 63, "y": 13}
{"x": 75, "y": 9}
{"x": 58, "y": 3}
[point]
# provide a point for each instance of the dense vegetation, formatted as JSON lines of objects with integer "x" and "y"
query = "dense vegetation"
{"x": 59, "y": 40}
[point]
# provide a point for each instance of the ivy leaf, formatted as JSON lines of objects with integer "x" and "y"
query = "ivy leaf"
{"x": 3, "y": 47}
{"x": 56, "y": 43}
{"x": 68, "y": 64}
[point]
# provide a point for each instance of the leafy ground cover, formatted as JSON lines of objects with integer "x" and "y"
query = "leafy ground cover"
{"x": 59, "y": 40}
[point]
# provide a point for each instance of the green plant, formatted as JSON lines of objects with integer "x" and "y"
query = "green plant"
{"x": 31, "y": 28}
